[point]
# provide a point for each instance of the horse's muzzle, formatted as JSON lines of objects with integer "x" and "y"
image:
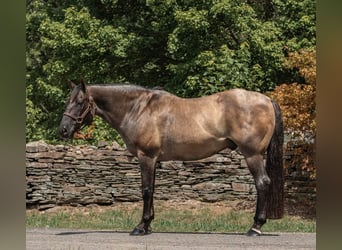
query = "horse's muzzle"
{"x": 64, "y": 132}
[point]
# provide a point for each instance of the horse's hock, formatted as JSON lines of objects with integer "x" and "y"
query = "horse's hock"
{"x": 82, "y": 175}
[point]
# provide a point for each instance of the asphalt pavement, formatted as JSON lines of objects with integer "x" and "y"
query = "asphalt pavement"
{"x": 45, "y": 239}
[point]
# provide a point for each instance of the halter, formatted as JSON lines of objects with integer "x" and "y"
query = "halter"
{"x": 79, "y": 119}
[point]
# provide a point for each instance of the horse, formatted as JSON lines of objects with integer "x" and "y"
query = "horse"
{"x": 158, "y": 126}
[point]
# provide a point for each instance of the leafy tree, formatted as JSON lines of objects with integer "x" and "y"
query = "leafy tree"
{"x": 297, "y": 20}
{"x": 191, "y": 48}
{"x": 223, "y": 46}
{"x": 298, "y": 105}
{"x": 79, "y": 45}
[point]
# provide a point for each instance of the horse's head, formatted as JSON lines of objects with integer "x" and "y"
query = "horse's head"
{"x": 79, "y": 111}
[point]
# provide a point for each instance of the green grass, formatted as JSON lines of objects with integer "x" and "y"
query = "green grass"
{"x": 166, "y": 220}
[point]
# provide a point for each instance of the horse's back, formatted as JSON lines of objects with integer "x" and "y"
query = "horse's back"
{"x": 199, "y": 127}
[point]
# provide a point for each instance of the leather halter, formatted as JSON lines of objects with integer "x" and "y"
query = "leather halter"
{"x": 90, "y": 109}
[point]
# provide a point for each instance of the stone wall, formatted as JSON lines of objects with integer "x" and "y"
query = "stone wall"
{"x": 82, "y": 175}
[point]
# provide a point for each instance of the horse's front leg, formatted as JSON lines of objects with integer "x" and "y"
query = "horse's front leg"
{"x": 147, "y": 166}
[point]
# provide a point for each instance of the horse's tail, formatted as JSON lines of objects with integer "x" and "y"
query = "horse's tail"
{"x": 274, "y": 168}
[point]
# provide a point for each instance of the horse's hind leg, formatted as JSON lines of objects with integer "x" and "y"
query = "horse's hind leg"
{"x": 147, "y": 166}
{"x": 262, "y": 181}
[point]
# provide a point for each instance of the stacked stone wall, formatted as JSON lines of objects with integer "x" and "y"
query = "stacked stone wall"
{"x": 83, "y": 175}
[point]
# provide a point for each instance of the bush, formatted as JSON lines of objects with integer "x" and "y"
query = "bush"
{"x": 298, "y": 105}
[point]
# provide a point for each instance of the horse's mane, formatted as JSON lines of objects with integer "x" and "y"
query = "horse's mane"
{"x": 130, "y": 87}
{"x": 120, "y": 85}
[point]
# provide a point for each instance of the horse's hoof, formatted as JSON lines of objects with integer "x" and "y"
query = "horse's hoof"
{"x": 253, "y": 232}
{"x": 148, "y": 230}
{"x": 137, "y": 232}
{"x": 140, "y": 232}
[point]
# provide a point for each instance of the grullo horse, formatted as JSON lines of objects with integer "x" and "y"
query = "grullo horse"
{"x": 158, "y": 126}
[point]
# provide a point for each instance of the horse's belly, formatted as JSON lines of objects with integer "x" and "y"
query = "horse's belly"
{"x": 190, "y": 151}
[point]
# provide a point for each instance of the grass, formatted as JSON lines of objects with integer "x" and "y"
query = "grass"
{"x": 167, "y": 219}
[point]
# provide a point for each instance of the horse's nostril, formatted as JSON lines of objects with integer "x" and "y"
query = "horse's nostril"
{"x": 64, "y": 131}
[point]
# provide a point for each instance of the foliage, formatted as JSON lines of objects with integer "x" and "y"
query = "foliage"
{"x": 224, "y": 47}
{"x": 67, "y": 49}
{"x": 191, "y": 48}
{"x": 297, "y": 21}
{"x": 298, "y": 105}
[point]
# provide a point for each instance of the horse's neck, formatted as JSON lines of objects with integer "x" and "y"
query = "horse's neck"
{"x": 113, "y": 103}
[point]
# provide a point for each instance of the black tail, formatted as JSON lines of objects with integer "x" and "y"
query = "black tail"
{"x": 274, "y": 168}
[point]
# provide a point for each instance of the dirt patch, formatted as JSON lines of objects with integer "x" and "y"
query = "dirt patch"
{"x": 305, "y": 209}
{"x": 188, "y": 205}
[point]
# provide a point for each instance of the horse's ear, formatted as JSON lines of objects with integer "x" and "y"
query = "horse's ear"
{"x": 83, "y": 85}
{"x": 71, "y": 84}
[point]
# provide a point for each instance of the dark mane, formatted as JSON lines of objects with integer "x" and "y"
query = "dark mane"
{"x": 127, "y": 87}
{"x": 120, "y": 85}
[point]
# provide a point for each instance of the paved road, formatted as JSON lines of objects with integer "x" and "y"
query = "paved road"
{"x": 43, "y": 239}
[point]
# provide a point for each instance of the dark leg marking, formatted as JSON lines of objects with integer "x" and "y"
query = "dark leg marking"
{"x": 147, "y": 166}
{"x": 262, "y": 182}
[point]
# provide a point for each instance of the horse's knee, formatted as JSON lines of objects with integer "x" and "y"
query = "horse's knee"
{"x": 266, "y": 180}
{"x": 262, "y": 183}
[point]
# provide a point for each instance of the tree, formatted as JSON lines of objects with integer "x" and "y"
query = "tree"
{"x": 297, "y": 20}
{"x": 297, "y": 102}
{"x": 191, "y": 48}
{"x": 223, "y": 46}
{"x": 66, "y": 43}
